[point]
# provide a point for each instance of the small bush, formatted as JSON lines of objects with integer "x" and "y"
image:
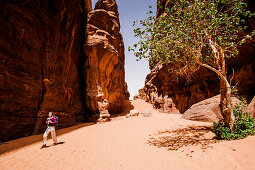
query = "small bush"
{"x": 244, "y": 124}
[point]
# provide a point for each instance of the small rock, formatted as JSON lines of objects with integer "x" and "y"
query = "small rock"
{"x": 107, "y": 115}
{"x": 102, "y": 120}
{"x": 146, "y": 113}
{"x": 134, "y": 112}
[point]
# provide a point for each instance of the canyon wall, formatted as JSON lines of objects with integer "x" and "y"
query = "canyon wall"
{"x": 203, "y": 84}
{"x": 105, "y": 76}
{"x": 43, "y": 66}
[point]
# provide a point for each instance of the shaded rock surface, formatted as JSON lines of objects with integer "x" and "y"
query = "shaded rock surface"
{"x": 127, "y": 94}
{"x": 251, "y": 108}
{"x": 104, "y": 67}
{"x": 43, "y": 66}
{"x": 39, "y": 64}
{"x": 183, "y": 94}
{"x": 203, "y": 83}
{"x": 207, "y": 110}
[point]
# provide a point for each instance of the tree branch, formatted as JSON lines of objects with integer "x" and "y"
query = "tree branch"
{"x": 214, "y": 70}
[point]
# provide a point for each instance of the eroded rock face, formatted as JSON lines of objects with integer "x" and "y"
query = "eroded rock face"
{"x": 181, "y": 92}
{"x": 127, "y": 94}
{"x": 207, "y": 110}
{"x": 104, "y": 66}
{"x": 108, "y": 5}
{"x": 203, "y": 83}
{"x": 43, "y": 66}
{"x": 39, "y": 62}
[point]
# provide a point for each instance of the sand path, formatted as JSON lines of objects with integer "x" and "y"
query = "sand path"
{"x": 123, "y": 144}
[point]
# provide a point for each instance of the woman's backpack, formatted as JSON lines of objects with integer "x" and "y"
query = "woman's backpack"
{"x": 56, "y": 119}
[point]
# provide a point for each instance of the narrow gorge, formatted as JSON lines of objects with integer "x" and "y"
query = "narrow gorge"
{"x": 127, "y": 84}
{"x": 59, "y": 56}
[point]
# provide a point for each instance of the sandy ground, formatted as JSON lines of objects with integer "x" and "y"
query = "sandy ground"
{"x": 136, "y": 143}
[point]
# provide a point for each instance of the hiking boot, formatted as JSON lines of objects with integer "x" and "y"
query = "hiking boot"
{"x": 44, "y": 146}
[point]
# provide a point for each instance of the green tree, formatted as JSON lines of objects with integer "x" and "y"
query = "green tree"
{"x": 195, "y": 33}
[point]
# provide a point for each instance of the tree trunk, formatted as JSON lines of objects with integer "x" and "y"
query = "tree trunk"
{"x": 225, "y": 103}
{"x": 225, "y": 92}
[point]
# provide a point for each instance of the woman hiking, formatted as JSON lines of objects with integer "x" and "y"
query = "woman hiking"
{"x": 51, "y": 123}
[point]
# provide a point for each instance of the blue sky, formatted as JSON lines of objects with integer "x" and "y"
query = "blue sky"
{"x": 129, "y": 11}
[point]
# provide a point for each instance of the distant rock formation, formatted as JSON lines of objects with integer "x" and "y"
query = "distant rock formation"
{"x": 104, "y": 68}
{"x": 43, "y": 66}
{"x": 203, "y": 83}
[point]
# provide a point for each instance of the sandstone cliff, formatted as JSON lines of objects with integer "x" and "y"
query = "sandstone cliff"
{"x": 104, "y": 69}
{"x": 42, "y": 63}
{"x": 203, "y": 83}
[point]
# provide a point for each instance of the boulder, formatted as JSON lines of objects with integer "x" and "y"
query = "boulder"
{"x": 146, "y": 113}
{"x": 207, "y": 110}
{"x": 251, "y": 107}
{"x": 134, "y": 112}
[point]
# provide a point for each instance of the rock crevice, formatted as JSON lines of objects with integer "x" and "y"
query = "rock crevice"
{"x": 104, "y": 66}
{"x": 44, "y": 67}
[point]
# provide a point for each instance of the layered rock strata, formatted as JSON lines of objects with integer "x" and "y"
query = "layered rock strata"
{"x": 104, "y": 68}
{"x": 43, "y": 66}
{"x": 39, "y": 64}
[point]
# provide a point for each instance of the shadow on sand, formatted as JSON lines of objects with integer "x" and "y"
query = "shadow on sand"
{"x": 193, "y": 135}
{"x": 59, "y": 143}
{"x": 22, "y": 142}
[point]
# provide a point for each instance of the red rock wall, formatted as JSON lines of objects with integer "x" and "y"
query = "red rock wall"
{"x": 105, "y": 76}
{"x": 40, "y": 45}
{"x": 43, "y": 66}
{"x": 204, "y": 83}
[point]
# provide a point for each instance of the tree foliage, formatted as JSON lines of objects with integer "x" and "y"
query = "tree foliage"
{"x": 196, "y": 32}
{"x": 186, "y": 32}
{"x": 243, "y": 126}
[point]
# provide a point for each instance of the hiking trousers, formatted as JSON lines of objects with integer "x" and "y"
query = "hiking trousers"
{"x": 50, "y": 129}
